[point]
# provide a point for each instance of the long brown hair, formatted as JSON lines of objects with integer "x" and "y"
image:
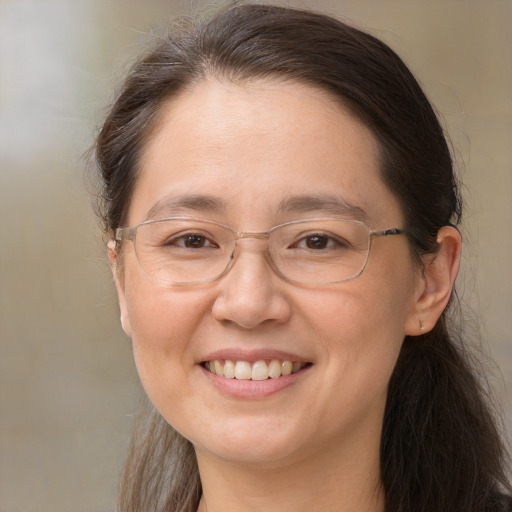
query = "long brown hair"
{"x": 440, "y": 449}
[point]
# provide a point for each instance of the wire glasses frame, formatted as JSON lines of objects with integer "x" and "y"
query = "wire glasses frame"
{"x": 181, "y": 251}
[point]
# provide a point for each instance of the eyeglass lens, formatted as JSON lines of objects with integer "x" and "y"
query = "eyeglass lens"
{"x": 186, "y": 251}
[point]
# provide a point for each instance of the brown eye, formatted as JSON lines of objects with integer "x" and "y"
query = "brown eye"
{"x": 316, "y": 242}
{"x": 194, "y": 241}
{"x": 321, "y": 242}
{"x": 191, "y": 241}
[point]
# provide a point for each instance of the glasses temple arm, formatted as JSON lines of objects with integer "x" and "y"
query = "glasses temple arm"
{"x": 388, "y": 232}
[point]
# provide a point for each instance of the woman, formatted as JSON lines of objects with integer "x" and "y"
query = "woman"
{"x": 279, "y": 198}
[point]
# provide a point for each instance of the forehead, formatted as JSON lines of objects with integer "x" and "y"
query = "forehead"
{"x": 250, "y": 148}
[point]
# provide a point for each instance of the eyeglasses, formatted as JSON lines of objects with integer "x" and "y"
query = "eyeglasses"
{"x": 186, "y": 251}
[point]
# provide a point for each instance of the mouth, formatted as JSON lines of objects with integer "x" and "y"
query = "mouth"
{"x": 257, "y": 371}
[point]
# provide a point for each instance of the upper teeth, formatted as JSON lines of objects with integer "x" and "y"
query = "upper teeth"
{"x": 259, "y": 370}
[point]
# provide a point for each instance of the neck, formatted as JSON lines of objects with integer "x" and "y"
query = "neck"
{"x": 331, "y": 482}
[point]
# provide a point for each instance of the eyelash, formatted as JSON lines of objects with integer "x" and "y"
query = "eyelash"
{"x": 332, "y": 242}
{"x": 176, "y": 239}
{"x": 325, "y": 241}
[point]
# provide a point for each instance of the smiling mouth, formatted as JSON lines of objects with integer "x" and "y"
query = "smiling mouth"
{"x": 259, "y": 370}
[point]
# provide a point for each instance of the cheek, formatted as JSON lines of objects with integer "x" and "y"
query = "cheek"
{"x": 364, "y": 307}
{"x": 361, "y": 327}
{"x": 358, "y": 334}
{"x": 163, "y": 323}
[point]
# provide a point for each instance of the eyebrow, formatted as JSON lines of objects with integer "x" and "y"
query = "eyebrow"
{"x": 173, "y": 205}
{"x": 333, "y": 205}
{"x": 329, "y": 204}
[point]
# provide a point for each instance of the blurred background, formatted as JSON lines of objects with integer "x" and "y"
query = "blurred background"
{"x": 68, "y": 386}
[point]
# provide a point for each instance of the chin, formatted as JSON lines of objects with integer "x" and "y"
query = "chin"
{"x": 260, "y": 442}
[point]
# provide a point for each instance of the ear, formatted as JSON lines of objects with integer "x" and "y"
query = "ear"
{"x": 113, "y": 258}
{"x": 436, "y": 283}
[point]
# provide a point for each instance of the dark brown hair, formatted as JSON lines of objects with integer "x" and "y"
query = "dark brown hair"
{"x": 440, "y": 449}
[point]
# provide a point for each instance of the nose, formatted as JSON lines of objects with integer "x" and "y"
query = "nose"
{"x": 251, "y": 294}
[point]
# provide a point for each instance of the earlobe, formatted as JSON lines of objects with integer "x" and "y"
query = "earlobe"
{"x": 436, "y": 282}
{"x": 119, "y": 284}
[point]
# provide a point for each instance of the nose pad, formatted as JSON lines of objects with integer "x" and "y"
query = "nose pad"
{"x": 250, "y": 292}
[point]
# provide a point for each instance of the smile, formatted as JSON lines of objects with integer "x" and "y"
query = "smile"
{"x": 259, "y": 370}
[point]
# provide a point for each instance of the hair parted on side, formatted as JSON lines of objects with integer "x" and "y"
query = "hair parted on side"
{"x": 440, "y": 448}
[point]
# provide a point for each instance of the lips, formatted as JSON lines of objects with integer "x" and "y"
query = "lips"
{"x": 261, "y": 369}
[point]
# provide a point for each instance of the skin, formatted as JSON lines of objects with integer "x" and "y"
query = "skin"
{"x": 314, "y": 445}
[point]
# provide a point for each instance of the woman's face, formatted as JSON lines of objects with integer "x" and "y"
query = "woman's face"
{"x": 259, "y": 155}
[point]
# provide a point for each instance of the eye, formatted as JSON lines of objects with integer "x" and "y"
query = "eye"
{"x": 190, "y": 241}
{"x": 321, "y": 242}
{"x": 316, "y": 242}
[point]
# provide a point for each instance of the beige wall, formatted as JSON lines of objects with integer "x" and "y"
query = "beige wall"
{"x": 67, "y": 381}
